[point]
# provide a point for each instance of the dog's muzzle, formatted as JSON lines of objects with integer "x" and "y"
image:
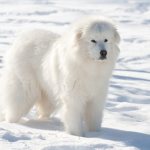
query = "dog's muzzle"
{"x": 103, "y": 54}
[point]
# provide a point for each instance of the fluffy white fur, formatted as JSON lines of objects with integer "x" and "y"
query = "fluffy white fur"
{"x": 43, "y": 68}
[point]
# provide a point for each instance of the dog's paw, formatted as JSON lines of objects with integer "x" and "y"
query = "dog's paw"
{"x": 77, "y": 132}
{"x": 12, "y": 119}
{"x": 43, "y": 118}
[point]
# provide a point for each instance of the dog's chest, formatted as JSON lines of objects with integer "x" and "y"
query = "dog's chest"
{"x": 92, "y": 85}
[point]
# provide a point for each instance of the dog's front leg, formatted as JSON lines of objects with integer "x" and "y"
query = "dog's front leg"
{"x": 73, "y": 116}
{"x": 93, "y": 116}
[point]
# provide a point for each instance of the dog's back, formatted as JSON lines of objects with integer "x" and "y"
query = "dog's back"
{"x": 32, "y": 45}
{"x": 28, "y": 51}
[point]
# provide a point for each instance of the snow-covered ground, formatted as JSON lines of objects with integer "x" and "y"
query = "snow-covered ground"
{"x": 126, "y": 124}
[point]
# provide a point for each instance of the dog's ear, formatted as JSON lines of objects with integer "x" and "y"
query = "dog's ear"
{"x": 117, "y": 37}
{"x": 78, "y": 34}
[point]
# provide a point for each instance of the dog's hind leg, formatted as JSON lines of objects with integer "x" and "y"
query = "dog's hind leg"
{"x": 45, "y": 107}
{"x": 18, "y": 97}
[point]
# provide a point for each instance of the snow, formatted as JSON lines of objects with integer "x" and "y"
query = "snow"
{"x": 127, "y": 118}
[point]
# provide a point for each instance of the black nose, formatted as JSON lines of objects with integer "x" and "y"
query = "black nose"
{"x": 103, "y": 53}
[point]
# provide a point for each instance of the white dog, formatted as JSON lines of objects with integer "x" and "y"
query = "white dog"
{"x": 43, "y": 67}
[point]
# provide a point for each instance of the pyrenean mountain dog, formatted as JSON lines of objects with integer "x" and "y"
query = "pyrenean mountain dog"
{"x": 43, "y": 68}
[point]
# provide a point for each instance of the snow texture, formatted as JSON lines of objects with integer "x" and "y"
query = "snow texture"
{"x": 126, "y": 124}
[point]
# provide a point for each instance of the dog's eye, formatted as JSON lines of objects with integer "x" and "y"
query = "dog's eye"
{"x": 93, "y": 41}
{"x": 105, "y": 40}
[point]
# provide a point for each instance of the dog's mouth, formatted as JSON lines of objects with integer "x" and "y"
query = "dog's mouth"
{"x": 102, "y": 58}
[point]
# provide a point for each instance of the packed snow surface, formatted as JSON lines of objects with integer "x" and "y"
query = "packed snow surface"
{"x": 126, "y": 124}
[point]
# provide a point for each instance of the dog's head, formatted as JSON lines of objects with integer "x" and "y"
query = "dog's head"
{"x": 97, "y": 39}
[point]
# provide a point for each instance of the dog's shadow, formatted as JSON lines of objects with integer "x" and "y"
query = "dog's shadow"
{"x": 51, "y": 124}
{"x": 129, "y": 138}
{"x": 134, "y": 139}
